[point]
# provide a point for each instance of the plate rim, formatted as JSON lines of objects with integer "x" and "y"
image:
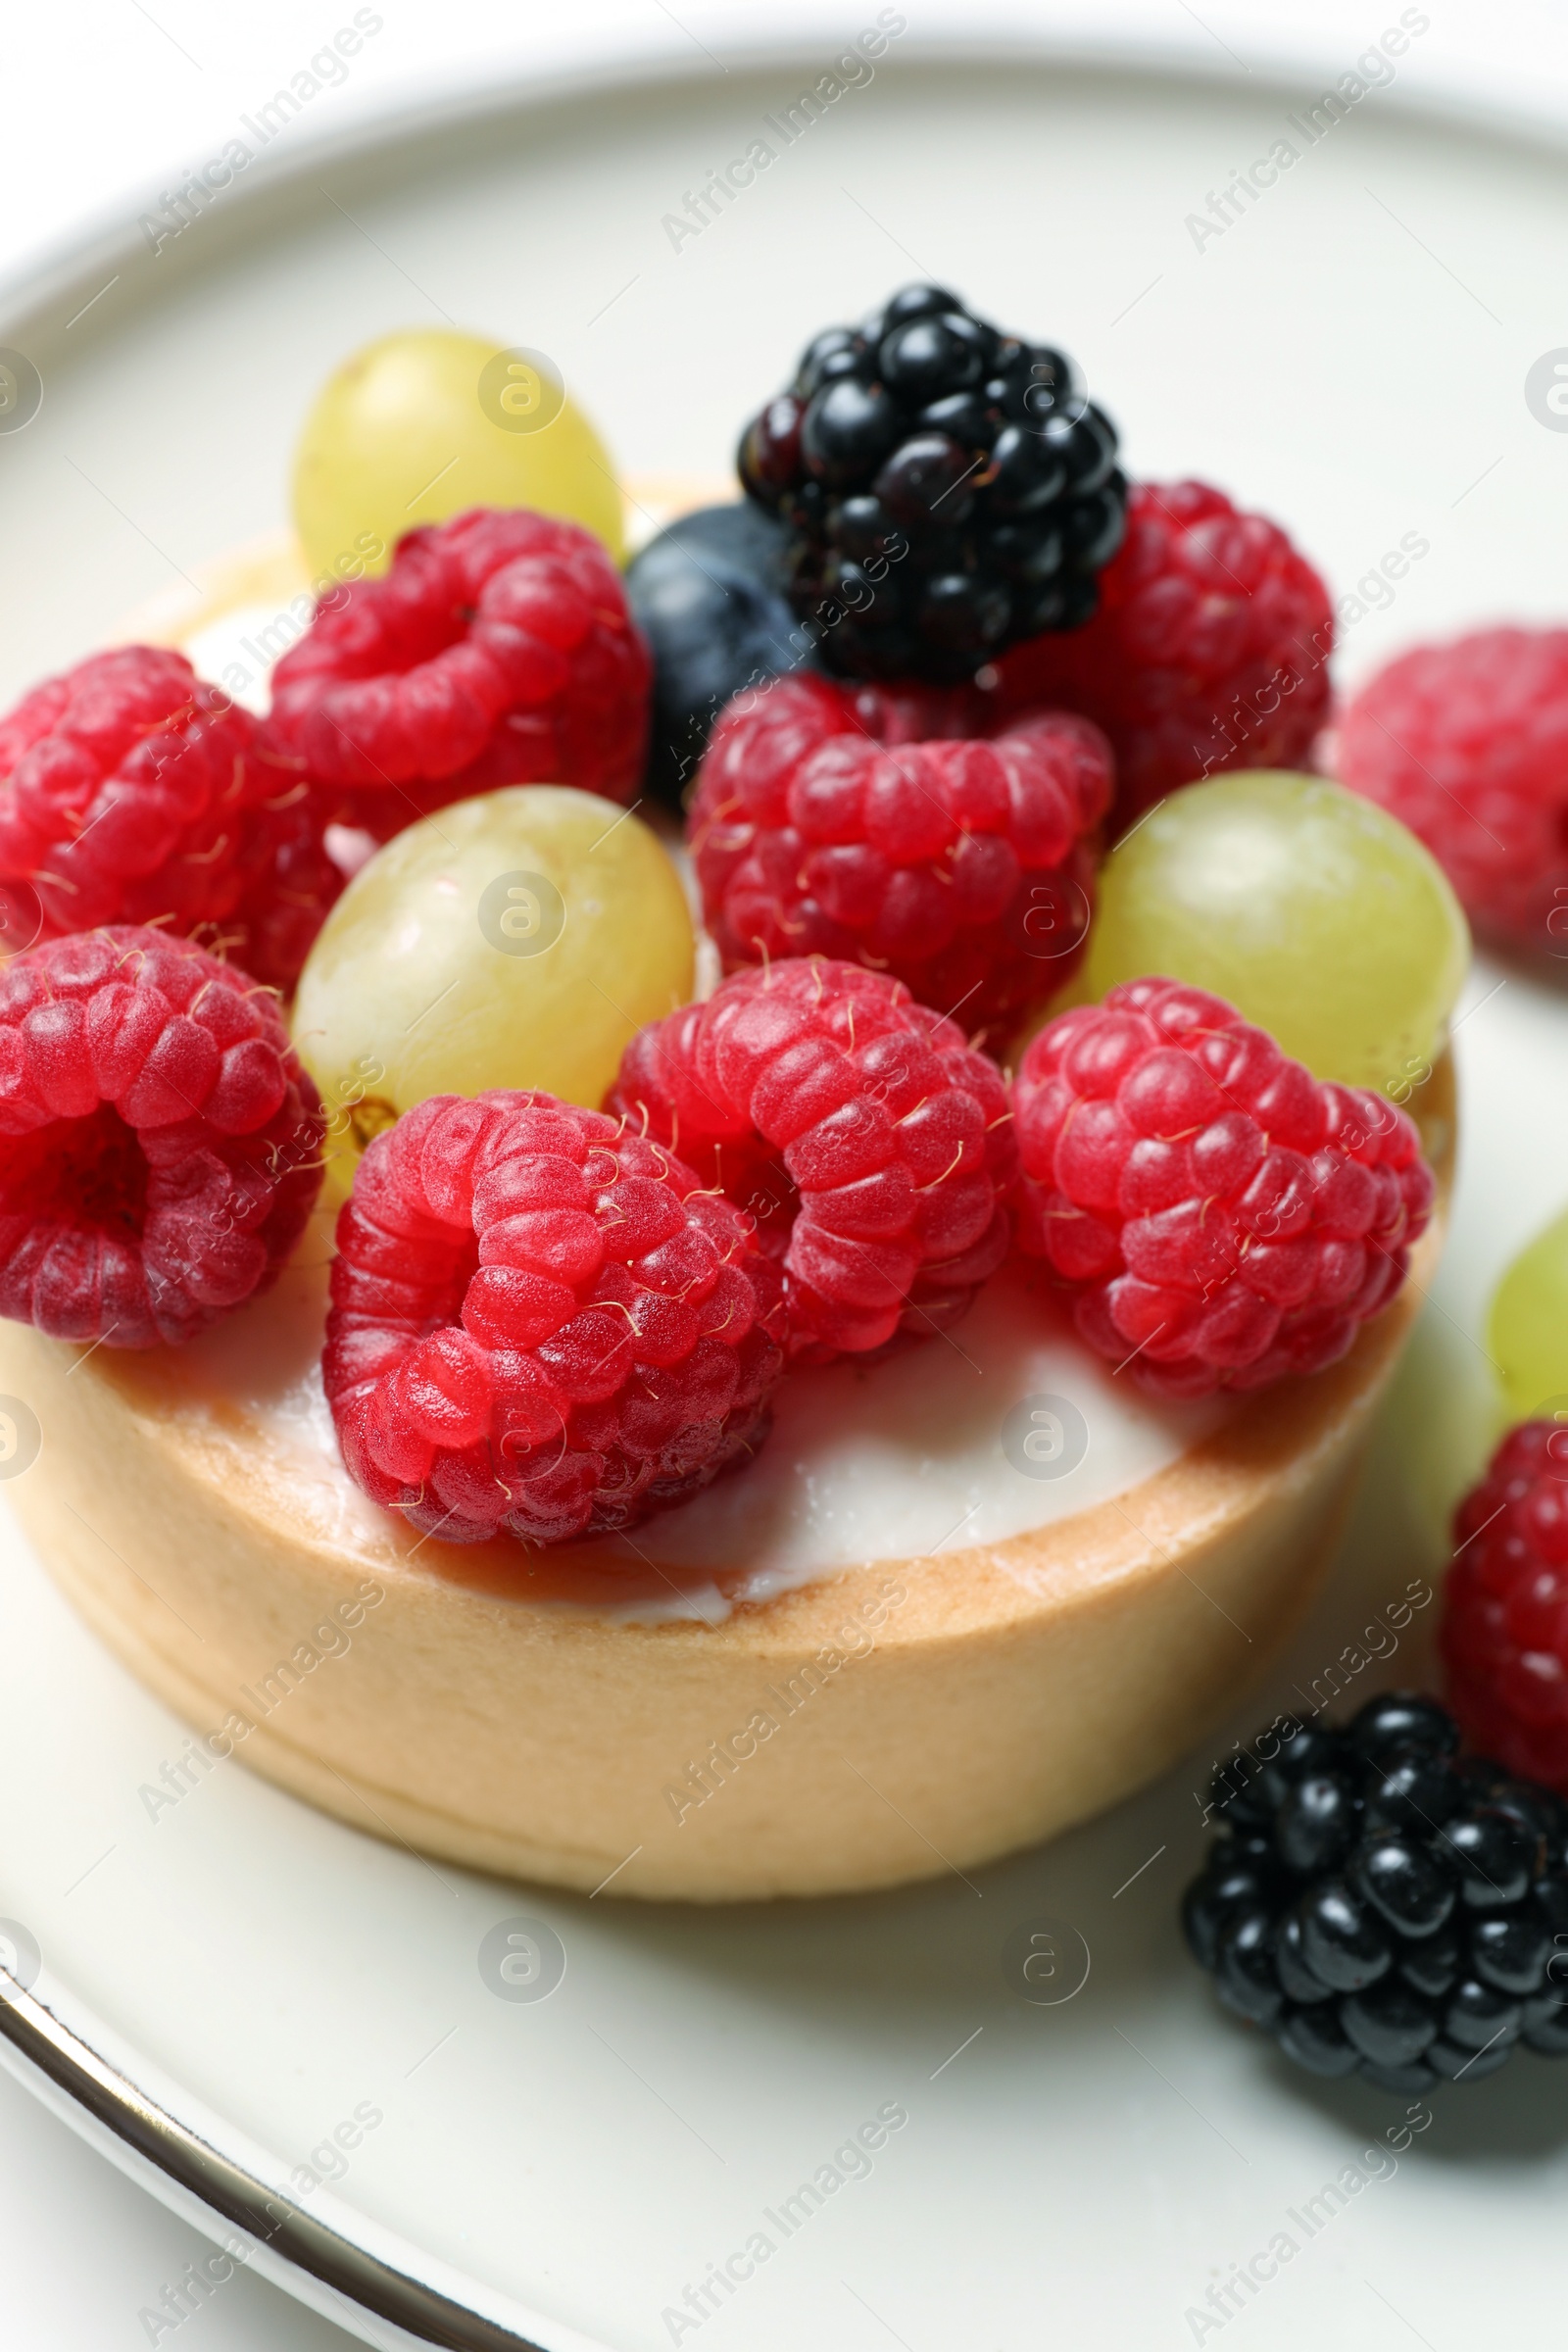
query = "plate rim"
{"x": 65, "y": 2066}
{"x": 1436, "y": 94}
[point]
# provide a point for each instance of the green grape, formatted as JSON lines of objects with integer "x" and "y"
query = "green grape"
{"x": 519, "y": 939}
{"x": 427, "y": 424}
{"x": 1311, "y": 911}
{"x": 1527, "y": 1334}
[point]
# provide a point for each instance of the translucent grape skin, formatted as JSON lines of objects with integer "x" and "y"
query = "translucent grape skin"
{"x": 1311, "y": 911}
{"x": 1527, "y": 1331}
{"x": 375, "y": 455}
{"x": 518, "y": 939}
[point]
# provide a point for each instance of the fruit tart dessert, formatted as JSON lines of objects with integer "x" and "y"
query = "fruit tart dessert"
{"x": 728, "y": 1229}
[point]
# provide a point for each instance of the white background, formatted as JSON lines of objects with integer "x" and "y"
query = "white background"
{"x": 108, "y": 102}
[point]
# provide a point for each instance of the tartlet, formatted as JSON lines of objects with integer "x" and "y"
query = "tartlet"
{"x": 617, "y": 1716}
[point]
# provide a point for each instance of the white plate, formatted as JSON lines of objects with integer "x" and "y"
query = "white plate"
{"x": 1350, "y": 354}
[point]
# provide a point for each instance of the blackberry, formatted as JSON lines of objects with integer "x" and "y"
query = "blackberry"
{"x": 709, "y": 596}
{"x": 1382, "y": 1906}
{"x": 946, "y": 490}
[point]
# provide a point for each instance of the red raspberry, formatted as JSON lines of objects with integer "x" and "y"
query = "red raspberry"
{"x": 1505, "y": 1635}
{"x": 1467, "y": 744}
{"x": 290, "y": 884}
{"x": 1208, "y": 651}
{"x": 540, "y": 1325}
{"x": 874, "y": 1146}
{"x": 1219, "y": 1214}
{"x": 160, "y": 1143}
{"x": 497, "y": 649}
{"x": 124, "y": 787}
{"x": 824, "y": 825}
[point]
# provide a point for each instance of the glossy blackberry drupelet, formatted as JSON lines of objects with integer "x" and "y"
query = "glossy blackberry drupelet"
{"x": 947, "y": 490}
{"x": 708, "y": 597}
{"x": 1383, "y": 1907}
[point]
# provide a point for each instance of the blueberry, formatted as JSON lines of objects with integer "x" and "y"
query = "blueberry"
{"x": 1396, "y": 1720}
{"x": 709, "y": 596}
{"x": 1389, "y": 2022}
{"x": 1343, "y": 1941}
{"x": 1414, "y": 1891}
{"x": 1315, "y": 2040}
{"x": 1315, "y": 1824}
{"x": 1493, "y": 1856}
{"x": 1243, "y": 1968}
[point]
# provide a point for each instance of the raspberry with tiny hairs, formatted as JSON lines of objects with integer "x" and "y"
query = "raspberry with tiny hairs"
{"x": 290, "y": 885}
{"x": 872, "y": 1144}
{"x": 1467, "y": 744}
{"x": 1209, "y": 650}
{"x": 1505, "y": 1605}
{"x": 1219, "y": 1216}
{"x": 869, "y": 825}
{"x": 542, "y": 1325}
{"x": 160, "y": 1143}
{"x": 127, "y": 785}
{"x": 496, "y": 649}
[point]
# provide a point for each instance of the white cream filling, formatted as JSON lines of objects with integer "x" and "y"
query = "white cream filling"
{"x": 959, "y": 1440}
